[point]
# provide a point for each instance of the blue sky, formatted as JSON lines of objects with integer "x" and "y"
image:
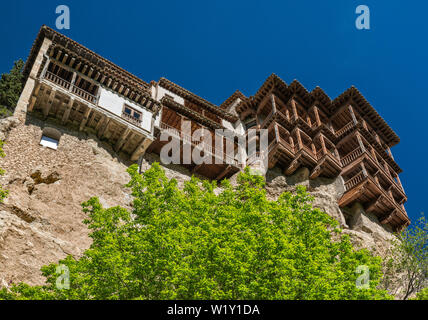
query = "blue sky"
{"x": 214, "y": 48}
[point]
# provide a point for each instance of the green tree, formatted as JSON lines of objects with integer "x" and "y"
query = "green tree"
{"x": 422, "y": 295}
{"x": 407, "y": 266}
{"x": 201, "y": 242}
{"x": 3, "y": 193}
{"x": 10, "y": 89}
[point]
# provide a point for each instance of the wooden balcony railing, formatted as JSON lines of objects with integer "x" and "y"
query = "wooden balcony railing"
{"x": 352, "y": 182}
{"x": 84, "y": 94}
{"x": 70, "y": 87}
{"x": 344, "y": 129}
{"x": 57, "y": 80}
{"x": 351, "y": 156}
{"x": 198, "y": 144}
{"x": 131, "y": 119}
{"x": 308, "y": 150}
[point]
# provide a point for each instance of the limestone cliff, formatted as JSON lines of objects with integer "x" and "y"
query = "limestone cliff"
{"x": 41, "y": 220}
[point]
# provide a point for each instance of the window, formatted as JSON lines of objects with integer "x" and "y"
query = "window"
{"x": 49, "y": 142}
{"x": 169, "y": 96}
{"x": 50, "y": 138}
{"x": 132, "y": 115}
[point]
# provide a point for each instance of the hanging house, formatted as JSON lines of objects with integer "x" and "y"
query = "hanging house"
{"x": 343, "y": 137}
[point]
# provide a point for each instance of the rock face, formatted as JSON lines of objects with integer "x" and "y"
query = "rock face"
{"x": 365, "y": 229}
{"x": 41, "y": 220}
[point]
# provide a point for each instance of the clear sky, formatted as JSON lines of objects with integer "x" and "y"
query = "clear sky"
{"x": 213, "y": 48}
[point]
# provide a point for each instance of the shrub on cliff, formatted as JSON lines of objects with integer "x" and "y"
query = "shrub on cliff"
{"x": 10, "y": 89}
{"x": 407, "y": 267}
{"x": 197, "y": 243}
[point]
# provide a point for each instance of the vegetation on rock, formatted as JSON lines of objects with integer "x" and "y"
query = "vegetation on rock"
{"x": 10, "y": 89}
{"x": 207, "y": 243}
{"x": 408, "y": 261}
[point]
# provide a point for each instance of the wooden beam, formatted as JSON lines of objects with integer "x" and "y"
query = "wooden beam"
{"x": 34, "y": 97}
{"x": 141, "y": 149}
{"x": 196, "y": 168}
{"x": 272, "y": 97}
{"x": 316, "y": 172}
{"x": 103, "y": 129}
{"x": 224, "y": 173}
{"x": 49, "y": 103}
{"x": 67, "y": 111}
{"x": 85, "y": 118}
{"x": 363, "y": 168}
{"x": 360, "y": 142}
{"x": 64, "y": 59}
{"x": 388, "y": 219}
{"x": 100, "y": 122}
{"x": 374, "y": 204}
{"x": 58, "y": 55}
{"x": 293, "y": 166}
{"x": 121, "y": 141}
{"x": 299, "y": 139}
{"x": 317, "y": 116}
{"x": 324, "y": 149}
{"x": 276, "y": 132}
{"x": 294, "y": 109}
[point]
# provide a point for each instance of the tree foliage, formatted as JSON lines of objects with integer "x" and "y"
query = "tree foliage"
{"x": 3, "y": 193}
{"x": 202, "y": 242}
{"x": 10, "y": 89}
{"x": 408, "y": 261}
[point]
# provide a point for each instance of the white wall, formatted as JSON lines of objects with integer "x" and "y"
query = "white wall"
{"x": 114, "y": 103}
{"x": 162, "y": 91}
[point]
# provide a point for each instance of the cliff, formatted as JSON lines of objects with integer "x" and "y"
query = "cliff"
{"x": 41, "y": 220}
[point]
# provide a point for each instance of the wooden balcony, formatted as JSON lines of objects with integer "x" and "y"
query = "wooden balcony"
{"x": 345, "y": 129}
{"x": 70, "y": 87}
{"x": 366, "y": 190}
{"x": 358, "y": 153}
{"x": 198, "y": 144}
{"x": 131, "y": 119}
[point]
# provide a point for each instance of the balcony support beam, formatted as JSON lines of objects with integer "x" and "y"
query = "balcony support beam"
{"x": 316, "y": 172}
{"x": 324, "y": 149}
{"x": 272, "y": 99}
{"x": 85, "y": 118}
{"x": 317, "y": 116}
{"x": 388, "y": 219}
{"x": 67, "y": 111}
{"x": 374, "y": 204}
{"x": 123, "y": 137}
{"x": 103, "y": 128}
{"x": 363, "y": 168}
{"x": 141, "y": 149}
{"x": 276, "y": 132}
{"x": 224, "y": 173}
{"x": 351, "y": 111}
{"x": 293, "y": 166}
{"x": 49, "y": 103}
{"x": 360, "y": 142}
{"x": 294, "y": 109}
{"x": 34, "y": 97}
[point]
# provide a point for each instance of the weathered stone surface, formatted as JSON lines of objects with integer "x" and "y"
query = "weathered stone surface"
{"x": 41, "y": 219}
{"x": 364, "y": 229}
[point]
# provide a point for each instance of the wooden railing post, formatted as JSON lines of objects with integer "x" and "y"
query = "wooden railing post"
{"x": 363, "y": 168}
{"x": 360, "y": 141}
{"x": 351, "y": 111}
